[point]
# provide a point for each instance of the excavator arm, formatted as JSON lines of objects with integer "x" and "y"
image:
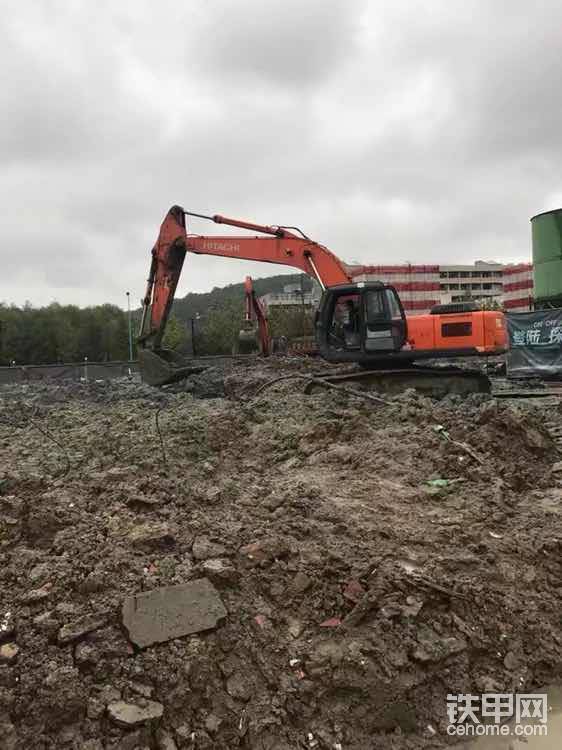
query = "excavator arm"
{"x": 282, "y": 246}
{"x": 255, "y": 315}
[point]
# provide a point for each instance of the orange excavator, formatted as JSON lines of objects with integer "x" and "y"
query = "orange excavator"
{"x": 254, "y": 334}
{"x": 356, "y": 322}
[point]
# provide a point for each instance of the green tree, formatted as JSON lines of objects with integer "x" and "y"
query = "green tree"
{"x": 175, "y": 336}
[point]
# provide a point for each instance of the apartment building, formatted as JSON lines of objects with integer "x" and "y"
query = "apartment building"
{"x": 480, "y": 281}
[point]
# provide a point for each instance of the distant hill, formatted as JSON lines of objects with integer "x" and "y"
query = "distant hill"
{"x": 224, "y": 298}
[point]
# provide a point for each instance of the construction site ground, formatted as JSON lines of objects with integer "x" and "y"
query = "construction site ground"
{"x": 371, "y": 559}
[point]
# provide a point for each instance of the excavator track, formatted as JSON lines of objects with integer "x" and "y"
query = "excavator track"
{"x": 436, "y": 382}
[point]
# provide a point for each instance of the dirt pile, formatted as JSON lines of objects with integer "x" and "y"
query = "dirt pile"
{"x": 371, "y": 560}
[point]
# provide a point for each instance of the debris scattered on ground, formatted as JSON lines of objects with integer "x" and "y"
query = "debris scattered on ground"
{"x": 303, "y": 570}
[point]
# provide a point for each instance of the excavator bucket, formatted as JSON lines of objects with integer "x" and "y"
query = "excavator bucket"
{"x": 165, "y": 366}
{"x": 248, "y": 340}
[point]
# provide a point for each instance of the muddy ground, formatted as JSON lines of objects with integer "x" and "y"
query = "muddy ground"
{"x": 359, "y": 591}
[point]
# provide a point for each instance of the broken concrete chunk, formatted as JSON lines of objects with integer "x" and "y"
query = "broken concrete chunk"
{"x": 132, "y": 714}
{"x": 152, "y": 535}
{"x": 79, "y": 628}
{"x": 171, "y": 612}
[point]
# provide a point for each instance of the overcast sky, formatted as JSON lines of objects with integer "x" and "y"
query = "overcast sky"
{"x": 390, "y": 130}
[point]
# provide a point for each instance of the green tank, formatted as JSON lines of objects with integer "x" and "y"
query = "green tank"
{"x": 546, "y": 230}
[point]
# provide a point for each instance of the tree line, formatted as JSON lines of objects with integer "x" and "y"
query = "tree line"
{"x": 67, "y": 333}
{"x": 62, "y": 333}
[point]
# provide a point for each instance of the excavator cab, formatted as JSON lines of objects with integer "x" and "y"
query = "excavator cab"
{"x": 360, "y": 322}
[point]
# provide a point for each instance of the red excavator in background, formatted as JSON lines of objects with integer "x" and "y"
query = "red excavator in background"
{"x": 254, "y": 335}
{"x": 356, "y": 322}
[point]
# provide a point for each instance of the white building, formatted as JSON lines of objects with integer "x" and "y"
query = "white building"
{"x": 481, "y": 281}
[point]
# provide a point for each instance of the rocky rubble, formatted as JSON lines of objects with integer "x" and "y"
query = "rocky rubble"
{"x": 369, "y": 559}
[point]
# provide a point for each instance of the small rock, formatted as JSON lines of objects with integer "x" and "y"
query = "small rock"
{"x": 390, "y": 611}
{"x": 109, "y": 694}
{"x": 511, "y": 661}
{"x": 220, "y": 571}
{"x": 36, "y": 595}
{"x": 213, "y": 723}
{"x": 203, "y": 548}
{"x": 165, "y": 741}
{"x": 295, "y": 628}
{"x": 240, "y": 685}
{"x": 95, "y": 709}
{"x": 412, "y": 608}
{"x": 137, "y": 740}
{"x": 115, "y": 474}
{"x": 91, "y": 584}
{"x": 134, "y": 714}
{"x": 7, "y": 625}
{"x": 434, "y": 647}
{"x": 91, "y": 745}
{"x": 46, "y": 622}
{"x": 40, "y": 572}
{"x": 183, "y": 733}
{"x": 557, "y": 467}
{"x": 300, "y": 583}
{"x": 144, "y": 690}
{"x": 8, "y": 653}
{"x": 265, "y": 550}
{"x": 67, "y": 609}
{"x": 79, "y": 628}
{"x": 8, "y": 735}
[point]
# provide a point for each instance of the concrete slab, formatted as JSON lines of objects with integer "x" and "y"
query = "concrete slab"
{"x": 170, "y": 612}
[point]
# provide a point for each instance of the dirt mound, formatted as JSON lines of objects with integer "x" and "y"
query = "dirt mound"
{"x": 371, "y": 559}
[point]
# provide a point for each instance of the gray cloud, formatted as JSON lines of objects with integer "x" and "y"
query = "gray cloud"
{"x": 412, "y": 130}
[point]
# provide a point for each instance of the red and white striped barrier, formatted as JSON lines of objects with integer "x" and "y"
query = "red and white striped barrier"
{"x": 518, "y": 287}
{"x": 417, "y": 286}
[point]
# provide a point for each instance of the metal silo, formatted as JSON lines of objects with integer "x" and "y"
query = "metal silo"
{"x": 546, "y": 229}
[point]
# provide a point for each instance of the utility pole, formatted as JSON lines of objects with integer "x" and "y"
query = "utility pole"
{"x": 197, "y": 317}
{"x": 130, "y": 327}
